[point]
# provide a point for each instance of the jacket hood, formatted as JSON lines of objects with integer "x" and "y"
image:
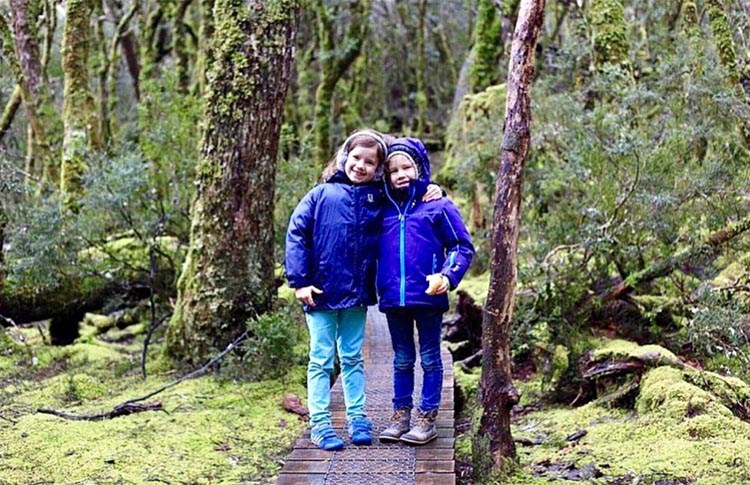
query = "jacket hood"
{"x": 414, "y": 149}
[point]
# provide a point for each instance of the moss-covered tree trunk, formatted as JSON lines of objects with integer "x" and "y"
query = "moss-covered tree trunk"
{"x": 3, "y": 223}
{"x": 228, "y": 273}
{"x": 493, "y": 443}
{"x": 609, "y": 31}
{"x": 421, "y": 68}
{"x": 24, "y": 14}
{"x": 149, "y": 51}
{"x": 205, "y": 38}
{"x": 179, "y": 49}
{"x": 9, "y": 113}
{"x": 335, "y": 57}
{"x": 80, "y": 121}
{"x": 739, "y": 76}
{"x": 487, "y": 47}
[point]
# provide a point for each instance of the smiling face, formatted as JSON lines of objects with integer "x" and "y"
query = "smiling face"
{"x": 361, "y": 164}
{"x": 401, "y": 170}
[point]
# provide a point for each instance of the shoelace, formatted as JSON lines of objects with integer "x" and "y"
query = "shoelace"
{"x": 398, "y": 417}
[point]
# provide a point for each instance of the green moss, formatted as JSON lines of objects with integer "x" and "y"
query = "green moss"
{"x": 213, "y": 431}
{"x": 560, "y": 364}
{"x": 476, "y": 286}
{"x": 610, "y": 39}
{"x": 624, "y": 349}
{"x": 619, "y": 443}
{"x": 488, "y": 46}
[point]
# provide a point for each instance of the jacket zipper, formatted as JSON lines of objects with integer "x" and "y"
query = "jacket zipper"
{"x": 402, "y": 243}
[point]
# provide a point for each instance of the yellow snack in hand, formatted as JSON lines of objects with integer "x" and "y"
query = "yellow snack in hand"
{"x": 434, "y": 282}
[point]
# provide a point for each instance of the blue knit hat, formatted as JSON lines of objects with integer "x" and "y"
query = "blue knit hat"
{"x": 414, "y": 149}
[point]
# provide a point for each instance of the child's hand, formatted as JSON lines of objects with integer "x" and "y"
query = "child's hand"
{"x": 434, "y": 192}
{"x": 305, "y": 294}
{"x": 438, "y": 284}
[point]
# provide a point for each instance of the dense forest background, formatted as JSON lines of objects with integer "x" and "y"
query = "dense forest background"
{"x": 125, "y": 122}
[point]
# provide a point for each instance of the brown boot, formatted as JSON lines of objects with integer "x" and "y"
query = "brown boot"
{"x": 424, "y": 431}
{"x": 399, "y": 425}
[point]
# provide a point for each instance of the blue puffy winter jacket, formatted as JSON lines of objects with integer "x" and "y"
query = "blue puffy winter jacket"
{"x": 418, "y": 239}
{"x": 331, "y": 243}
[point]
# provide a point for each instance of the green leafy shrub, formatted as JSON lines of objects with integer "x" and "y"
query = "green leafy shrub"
{"x": 269, "y": 352}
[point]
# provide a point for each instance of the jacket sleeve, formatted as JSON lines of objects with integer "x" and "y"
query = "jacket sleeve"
{"x": 457, "y": 242}
{"x": 298, "y": 256}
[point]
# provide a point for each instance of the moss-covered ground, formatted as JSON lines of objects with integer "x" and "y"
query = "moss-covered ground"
{"x": 213, "y": 429}
{"x": 680, "y": 432}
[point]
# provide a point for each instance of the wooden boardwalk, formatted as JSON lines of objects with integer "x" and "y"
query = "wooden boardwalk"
{"x": 379, "y": 463}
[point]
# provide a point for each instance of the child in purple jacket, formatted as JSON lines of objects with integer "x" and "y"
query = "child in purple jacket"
{"x": 425, "y": 250}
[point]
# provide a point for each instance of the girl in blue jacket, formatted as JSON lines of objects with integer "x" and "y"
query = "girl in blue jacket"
{"x": 331, "y": 249}
{"x": 425, "y": 250}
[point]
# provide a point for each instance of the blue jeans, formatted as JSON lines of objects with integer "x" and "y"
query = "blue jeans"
{"x": 342, "y": 330}
{"x": 401, "y": 327}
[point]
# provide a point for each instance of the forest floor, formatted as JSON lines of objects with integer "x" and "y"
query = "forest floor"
{"x": 212, "y": 429}
{"x": 600, "y": 444}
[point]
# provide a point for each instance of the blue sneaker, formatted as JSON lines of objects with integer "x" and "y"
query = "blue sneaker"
{"x": 326, "y": 438}
{"x": 360, "y": 431}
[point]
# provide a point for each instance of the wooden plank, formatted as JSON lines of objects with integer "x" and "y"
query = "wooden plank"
{"x": 435, "y": 479}
{"x": 435, "y": 454}
{"x": 306, "y": 467}
{"x": 309, "y": 454}
{"x": 288, "y": 479}
{"x": 435, "y": 466}
{"x": 441, "y": 443}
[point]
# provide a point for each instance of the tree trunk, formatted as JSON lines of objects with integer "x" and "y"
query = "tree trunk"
{"x": 9, "y": 113}
{"x": 205, "y": 36}
{"x": 335, "y": 60}
{"x": 487, "y": 48}
{"x": 493, "y": 444}
{"x": 29, "y": 73}
{"x": 179, "y": 51}
{"x": 421, "y": 68}
{"x": 607, "y": 19}
{"x": 79, "y": 112}
{"x": 228, "y": 273}
{"x": 739, "y": 77}
{"x": 3, "y": 223}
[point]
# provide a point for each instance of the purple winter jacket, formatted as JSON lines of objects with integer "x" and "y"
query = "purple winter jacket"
{"x": 419, "y": 238}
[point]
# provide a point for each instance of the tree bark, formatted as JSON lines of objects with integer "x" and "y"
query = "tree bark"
{"x": 708, "y": 249}
{"x": 3, "y": 223}
{"x": 228, "y": 273}
{"x": 179, "y": 50}
{"x": 29, "y": 75}
{"x": 335, "y": 60}
{"x": 421, "y": 68}
{"x": 739, "y": 77}
{"x": 80, "y": 122}
{"x": 487, "y": 48}
{"x": 497, "y": 393}
{"x": 205, "y": 36}
{"x": 610, "y": 33}
{"x": 9, "y": 113}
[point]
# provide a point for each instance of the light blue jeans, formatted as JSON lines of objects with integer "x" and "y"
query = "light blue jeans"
{"x": 342, "y": 330}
